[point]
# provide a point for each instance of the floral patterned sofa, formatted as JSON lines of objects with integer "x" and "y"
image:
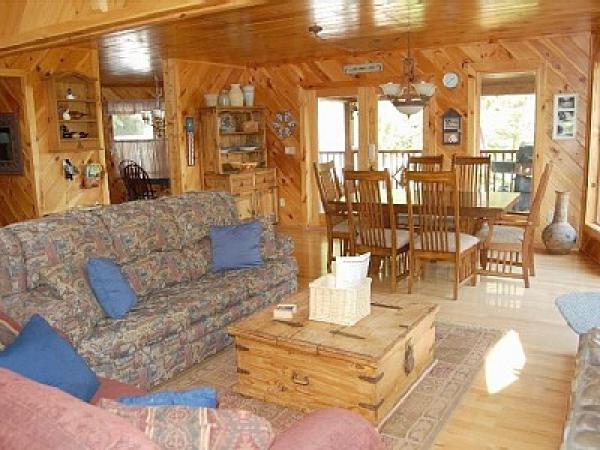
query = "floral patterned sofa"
{"x": 164, "y": 250}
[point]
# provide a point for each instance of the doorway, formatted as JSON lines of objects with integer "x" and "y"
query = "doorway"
{"x": 506, "y": 130}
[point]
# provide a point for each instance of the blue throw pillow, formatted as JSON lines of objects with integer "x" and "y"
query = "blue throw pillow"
{"x": 236, "y": 246}
{"x": 111, "y": 288}
{"x": 43, "y": 355}
{"x": 203, "y": 397}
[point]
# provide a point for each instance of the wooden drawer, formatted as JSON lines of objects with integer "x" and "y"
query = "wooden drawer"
{"x": 265, "y": 179}
{"x": 216, "y": 183}
{"x": 241, "y": 183}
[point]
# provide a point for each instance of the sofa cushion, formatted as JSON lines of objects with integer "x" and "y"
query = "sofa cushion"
{"x": 62, "y": 313}
{"x": 147, "y": 323}
{"x": 195, "y": 212}
{"x": 229, "y": 429}
{"x": 157, "y": 270}
{"x": 13, "y": 278}
{"x": 41, "y": 354}
{"x": 139, "y": 228}
{"x": 35, "y": 416}
{"x": 111, "y": 287}
{"x": 236, "y": 246}
{"x": 60, "y": 238}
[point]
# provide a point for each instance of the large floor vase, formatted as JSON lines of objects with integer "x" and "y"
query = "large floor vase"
{"x": 559, "y": 236}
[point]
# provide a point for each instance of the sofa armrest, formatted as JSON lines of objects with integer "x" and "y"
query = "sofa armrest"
{"x": 284, "y": 246}
{"x": 330, "y": 429}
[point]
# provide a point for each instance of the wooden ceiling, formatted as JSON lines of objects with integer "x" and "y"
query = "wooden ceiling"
{"x": 273, "y": 31}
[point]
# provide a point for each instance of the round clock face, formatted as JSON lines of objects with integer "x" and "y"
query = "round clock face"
{"x": 450, "y": 80}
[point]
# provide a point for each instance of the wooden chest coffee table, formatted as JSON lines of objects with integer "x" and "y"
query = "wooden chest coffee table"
{"x": 307, "y": 365}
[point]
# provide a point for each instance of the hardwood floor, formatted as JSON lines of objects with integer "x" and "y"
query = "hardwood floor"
{"x": 519, "y": 399}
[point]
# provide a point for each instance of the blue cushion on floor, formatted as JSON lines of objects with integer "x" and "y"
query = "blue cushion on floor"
{"x": 203, "y": 397}
{"x": 236, "y": 246}
{"x": 43, "y": 355}
{"x": 111, "y": 287}
{"x": 581, "y": 310}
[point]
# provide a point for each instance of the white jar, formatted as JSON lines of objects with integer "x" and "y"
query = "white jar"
{"x": 211, "y": 99}
{"x": 236, "y": 96}
{"x": 248, "y": 94}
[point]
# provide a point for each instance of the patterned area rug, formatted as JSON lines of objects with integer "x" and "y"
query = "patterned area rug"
{"x": 460, "y": 352}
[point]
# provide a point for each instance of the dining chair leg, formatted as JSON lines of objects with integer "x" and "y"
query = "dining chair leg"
{"x": 411, "y": 271}
{"x": 483, "y": 258}
{"x": 393, "y": 264}
{"x": 531, "y": 262}
{"x": 474, "y": 254}
{"x": 329, "y": 252}
{"x": 525, "y": 261}
{"x": 456, "y": 278}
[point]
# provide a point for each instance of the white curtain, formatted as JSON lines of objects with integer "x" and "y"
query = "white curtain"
{"x": 152, "y": 155}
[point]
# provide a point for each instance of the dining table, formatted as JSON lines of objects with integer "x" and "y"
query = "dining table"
{"x": 486, "y": 205}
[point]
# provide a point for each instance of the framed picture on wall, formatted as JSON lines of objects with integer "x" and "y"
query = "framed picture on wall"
{"x": 565, "y": 117}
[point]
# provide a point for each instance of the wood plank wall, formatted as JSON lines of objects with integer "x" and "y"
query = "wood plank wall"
{"x": 565, "y": 58}
{"x": 54, "y": 193}
{"x": 17, "y": 192}
{"x": 185, "y": 84}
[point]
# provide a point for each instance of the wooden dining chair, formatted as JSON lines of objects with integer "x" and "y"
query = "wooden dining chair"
{"x": 419, "y": 163}
{"x": 137, "y": 183}
{"x": 373, "y": 222}
{"x": 336, "y": 216}
{"x": 473, "y": 176}
{"x": 433, "y": 200}
{"x": 507, "y": 244}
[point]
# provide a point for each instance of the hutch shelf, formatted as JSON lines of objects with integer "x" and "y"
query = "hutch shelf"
{"x": 234, "y": 158}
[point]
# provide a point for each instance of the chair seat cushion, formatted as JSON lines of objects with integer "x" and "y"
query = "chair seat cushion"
{"x": 466, "y": 242}
{"x": 502, "y": 234}
{"x": 35, "y": 416}
{"x": 402, "y": 238}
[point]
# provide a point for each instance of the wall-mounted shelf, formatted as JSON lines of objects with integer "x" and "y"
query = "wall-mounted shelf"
{"x": 87, "y": 102}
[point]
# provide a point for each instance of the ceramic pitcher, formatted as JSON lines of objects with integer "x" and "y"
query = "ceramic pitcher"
{"x": 236, "y": 96}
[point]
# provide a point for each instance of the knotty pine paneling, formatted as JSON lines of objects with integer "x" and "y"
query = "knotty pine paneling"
{"x": 185, "y": 84}
{"x": 46, "y": 174}
{"x": 566, "y": 60}
{"x": 17, "y": 192}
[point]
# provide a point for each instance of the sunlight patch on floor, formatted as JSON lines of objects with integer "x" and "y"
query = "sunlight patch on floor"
{"x": 504, "y": 363}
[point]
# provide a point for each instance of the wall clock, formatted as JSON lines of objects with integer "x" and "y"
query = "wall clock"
{"x": 451, "y": 80}
{"x": 284, "y": 124}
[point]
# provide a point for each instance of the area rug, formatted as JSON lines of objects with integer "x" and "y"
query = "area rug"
{"x": 459, "y": 350}
{"x": 581, "y": 310}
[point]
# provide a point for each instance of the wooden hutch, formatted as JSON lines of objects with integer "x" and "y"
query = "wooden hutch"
{"x": 234, "y": 158}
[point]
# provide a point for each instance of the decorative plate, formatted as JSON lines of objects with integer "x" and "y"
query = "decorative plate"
{"x": 226, "y": 123}
{"x": 284, "y": 124}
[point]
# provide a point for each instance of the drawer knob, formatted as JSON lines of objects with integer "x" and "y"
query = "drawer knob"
{"x": 302, "y": 381}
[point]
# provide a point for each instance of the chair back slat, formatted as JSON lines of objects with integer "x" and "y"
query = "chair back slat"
{"x": 368, "y": 212}
{"x": 536, "y": 205}
{"x": 433, "y": 203}
{"x": 327, "y": 183}
{"x": 425, "y": 163}
{"x": 473, "y": 172}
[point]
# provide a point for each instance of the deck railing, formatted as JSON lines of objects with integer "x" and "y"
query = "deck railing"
{"x": 503, "y": 173}
{"x": 502, "y": 177}
{"x": 393, "y": 160}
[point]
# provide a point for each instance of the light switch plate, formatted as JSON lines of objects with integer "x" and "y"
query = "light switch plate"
{"x": 282, "y": 202}
{"x": 290, "y": 150}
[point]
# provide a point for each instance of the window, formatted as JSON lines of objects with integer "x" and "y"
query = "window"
{"x": 397, "y": 131}
{"x": 131, "y": 127}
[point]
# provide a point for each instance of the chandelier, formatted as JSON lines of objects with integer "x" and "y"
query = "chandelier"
{"x": 411, "y": 97}
{"x": 156, "y": 117}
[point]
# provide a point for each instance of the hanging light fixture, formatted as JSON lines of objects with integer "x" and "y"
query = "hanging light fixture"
{"x": 411, "y": 97}
{"x": 157, "y": 116}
